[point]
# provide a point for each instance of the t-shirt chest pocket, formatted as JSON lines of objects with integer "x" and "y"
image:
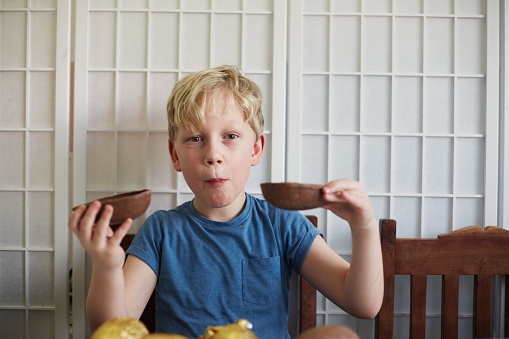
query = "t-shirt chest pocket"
{"x": 261, "y": 280}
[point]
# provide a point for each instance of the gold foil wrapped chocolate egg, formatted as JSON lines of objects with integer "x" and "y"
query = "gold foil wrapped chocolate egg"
{"x": 239, "y": 330}
{"x": 121, "y": 327}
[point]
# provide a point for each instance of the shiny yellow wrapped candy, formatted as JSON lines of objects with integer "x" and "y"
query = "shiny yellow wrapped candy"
{"x": 164, "y": 336}
{"x": 121, "y": 328}
{"x": 239, "y": 330}
{"x": 129, "y": 328}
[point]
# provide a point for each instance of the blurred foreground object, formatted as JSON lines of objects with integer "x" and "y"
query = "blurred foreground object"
{"x": 122, "y": 327}
{"x": 239, "y": 330}
{"x": 329, "y": 332}
{"x": 129, "y": 328}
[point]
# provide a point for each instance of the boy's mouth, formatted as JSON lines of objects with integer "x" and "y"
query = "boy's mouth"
{"x": 216, "y": 181}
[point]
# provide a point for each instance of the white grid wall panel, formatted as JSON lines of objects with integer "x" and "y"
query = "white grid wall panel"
{"x": 34, "y": 149}
{"x": 399, "y": 96}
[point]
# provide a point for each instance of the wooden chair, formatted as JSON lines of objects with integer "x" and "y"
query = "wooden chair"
{"x": 307, "y": 296}
{"x": 473, "y": 250}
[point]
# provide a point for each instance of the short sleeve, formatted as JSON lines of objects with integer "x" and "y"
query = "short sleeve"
{"x": 146, "y": 244}
{"x": 298, "y": 234}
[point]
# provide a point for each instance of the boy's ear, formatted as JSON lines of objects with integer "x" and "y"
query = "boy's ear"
{"x": 174, "y": 157}
{"x": 258, "y": 148}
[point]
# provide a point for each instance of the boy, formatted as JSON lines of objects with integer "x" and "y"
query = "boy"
{"x": 226, "y": 255}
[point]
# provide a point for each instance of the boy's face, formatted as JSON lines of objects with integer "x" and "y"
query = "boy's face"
{"x": 216, "y": 160}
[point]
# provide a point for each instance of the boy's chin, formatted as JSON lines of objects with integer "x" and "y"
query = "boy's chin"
{"x": 231, "y": 205}
{"x": 219, "y": 201}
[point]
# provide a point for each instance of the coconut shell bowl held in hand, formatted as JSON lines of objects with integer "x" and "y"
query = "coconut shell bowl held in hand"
{"x": 126, "y": 205}
{"x": 293, "y": 196}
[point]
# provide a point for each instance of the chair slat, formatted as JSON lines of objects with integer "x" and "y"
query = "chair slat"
{"x": 506, "y": 311}
{"x": 418, "y": 285}
{"x": 384, "y": 323}
{"x": 482, "y": 306}
{"x": 307, "y": 295}
{"x": 307, "y": 306}
{"x": 450, "y": 300}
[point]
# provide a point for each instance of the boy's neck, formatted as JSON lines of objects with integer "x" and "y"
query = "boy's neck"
{"x": 222, "y": 214}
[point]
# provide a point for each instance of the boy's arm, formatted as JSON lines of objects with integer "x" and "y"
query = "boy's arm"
{"x": 111, "y": 291}
{"x": 106, "y": 296}
{"x": 140, "y": 282}
{"x": 115, "y": 293}
{"x": 356, "y": 287}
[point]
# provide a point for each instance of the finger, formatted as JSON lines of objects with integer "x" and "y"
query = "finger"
{"x": 341, "y": 185}
{"x": 121, "y": 231}
{"x": 355, "y": 197}
{"x": 87, "y": 222}
{"x": 103, "y": 224}
{"x": 341, "y": 190}
{"x": 336, "y": 196}
{"x": 74, "y": 219}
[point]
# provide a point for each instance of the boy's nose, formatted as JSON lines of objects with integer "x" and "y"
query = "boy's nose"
{"x": 213, "y": 161}
{"x": 213, "y": 155}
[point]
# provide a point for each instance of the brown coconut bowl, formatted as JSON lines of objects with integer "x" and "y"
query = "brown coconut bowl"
{"x": 293, "y": 196}
{"x": 125, "y": 205}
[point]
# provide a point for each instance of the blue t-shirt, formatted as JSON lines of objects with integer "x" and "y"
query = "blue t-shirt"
{"x": 214, "y": 273}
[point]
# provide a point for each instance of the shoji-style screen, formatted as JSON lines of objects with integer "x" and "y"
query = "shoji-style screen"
{"x": 129, "y": 55}
{"x": 401, "y": 96}
{"x": 34, "y": 150}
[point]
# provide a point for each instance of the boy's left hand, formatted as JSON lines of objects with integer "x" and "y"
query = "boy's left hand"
{"x": 347, "y": 199}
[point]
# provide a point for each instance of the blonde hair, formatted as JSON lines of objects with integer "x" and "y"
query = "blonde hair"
{"x": 187, "y": 101}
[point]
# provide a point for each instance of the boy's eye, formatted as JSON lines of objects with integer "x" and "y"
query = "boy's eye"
{"x": 231, "y": 136}
{"x": 194, "y": 139}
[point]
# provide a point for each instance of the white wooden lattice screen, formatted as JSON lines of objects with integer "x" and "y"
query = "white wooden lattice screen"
{"x": 34, "y": 149}
{"x": 401, "y": 95}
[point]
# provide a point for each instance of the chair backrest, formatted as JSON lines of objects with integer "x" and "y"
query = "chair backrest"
{"x": 307, "y": 296}
{"x": 479, "y": 251}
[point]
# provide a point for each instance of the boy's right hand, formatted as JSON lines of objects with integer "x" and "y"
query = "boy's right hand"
{"x": 97, "y": 238}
